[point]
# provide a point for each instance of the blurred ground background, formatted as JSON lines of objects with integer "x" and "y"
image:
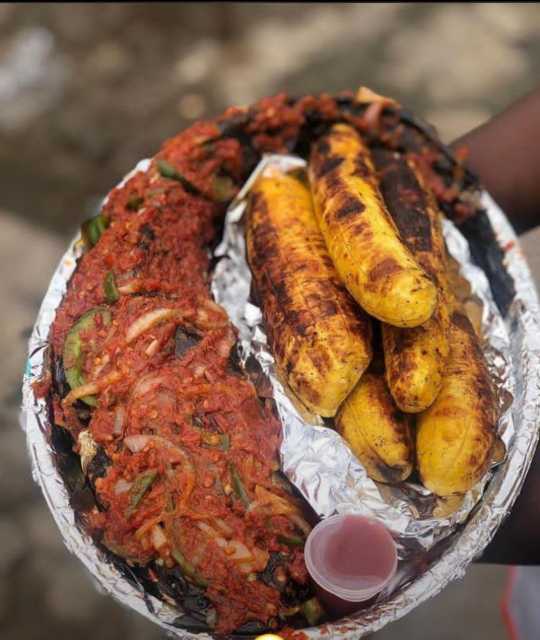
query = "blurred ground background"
{"x": 86, "y": 91}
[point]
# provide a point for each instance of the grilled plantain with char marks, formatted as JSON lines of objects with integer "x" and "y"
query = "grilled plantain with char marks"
{"x": 321, "y": 340}
{"x": 457, "y": 434}
{"x": 376, "y": 430}
{"x": 415, "y": 358}
{"x": 376, "y": 267}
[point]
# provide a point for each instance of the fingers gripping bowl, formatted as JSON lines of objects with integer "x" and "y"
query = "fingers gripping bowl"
{"x": 179, "y": 482}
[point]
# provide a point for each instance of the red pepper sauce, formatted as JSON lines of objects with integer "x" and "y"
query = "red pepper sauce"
{"x": 193, "y": 450}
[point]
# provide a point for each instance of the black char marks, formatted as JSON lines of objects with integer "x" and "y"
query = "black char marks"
{"x": 351, "y": 207}
{"x": 361, "y": 169}
{"x": 328, "y": 165}
{"x": 404, "y": 198}
{"x": 323, "y": 147}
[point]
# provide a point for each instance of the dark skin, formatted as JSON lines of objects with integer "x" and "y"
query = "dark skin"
{"x": 505, "y": 154}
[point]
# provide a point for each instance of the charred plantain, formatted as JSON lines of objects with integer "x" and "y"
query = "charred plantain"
{"x": 376, "y": 430}
{"x": 376, "y": 267}
{"x": 456, "y": 435}
{"x": 415, "y": 358}
{"x": 320, "y": 338}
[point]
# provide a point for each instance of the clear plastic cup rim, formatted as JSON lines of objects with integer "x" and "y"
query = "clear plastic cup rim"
{"x": 349, "y": 595}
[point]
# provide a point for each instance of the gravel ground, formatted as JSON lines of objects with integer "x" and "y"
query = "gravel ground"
{"x": 85, "y": 92}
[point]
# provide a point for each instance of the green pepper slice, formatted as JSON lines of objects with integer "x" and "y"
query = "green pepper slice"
{"x": 312, "y": 611}
{"x": 73, "y": 355}
{"x": 134, "y": 203}
{"x": 238, "y": 485}
{"x": 188, "y": 569}
{"x": 92, "y": 229}
{"x": 139, "y": 489}
{"x": 291, "y": 541}
{"x": 109, "y": 287}
{"x": 166, "y": 170}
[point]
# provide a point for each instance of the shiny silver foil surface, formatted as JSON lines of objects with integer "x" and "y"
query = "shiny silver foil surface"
{"x": 316, "y": 459}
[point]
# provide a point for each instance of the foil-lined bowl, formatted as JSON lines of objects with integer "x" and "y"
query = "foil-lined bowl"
{"x": 435, "y": 546}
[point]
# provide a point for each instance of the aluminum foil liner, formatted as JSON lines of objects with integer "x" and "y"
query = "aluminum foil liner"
{"x": 433, "y": 549}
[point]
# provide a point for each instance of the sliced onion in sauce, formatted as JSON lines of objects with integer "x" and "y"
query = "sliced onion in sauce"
{"x": 102, "y": 364}
{"x": 91, "y": 388}
{"x": 131, "y": 286}
{"x": 149, "y": 320}
{"x": 146, "y": 383}
{"x": 152, "y": 348}
{"x": 122, "y": 486}
{"x": 237, "y": 550}
{"x": 199, "y": 370}
{"x": 225, "y": 528}
{"x": 158, "y": 537}
{"x": 137, "y": 443}
{"x": 119, "y": 420}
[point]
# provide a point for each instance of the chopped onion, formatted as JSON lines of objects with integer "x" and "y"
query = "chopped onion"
{"x": 227, "y": 530}
{"x": 199, "y": 370}
{"x": 158, "y": 537}
{"x": 130, "y": 287}
{"x": 212, "y": 534}
{"x": 119, "y": 419}
{"x": 152, "y": 348}
{"x": 137, "y": 443}
{"x": 146, "y": 383}
{"x": 122, "y": 486}
{"x": 148, "y": 320}
{"x": 237, "y": 550}
{"x": 207, "y": 529}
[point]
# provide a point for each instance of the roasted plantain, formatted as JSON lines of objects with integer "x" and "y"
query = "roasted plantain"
{"x": 456, "y": 435}
{"x": 376, "y": 430}
{"x": 415, "y": 358}
{"x": 375, "y": 265}
{"x": 321, "y": 340}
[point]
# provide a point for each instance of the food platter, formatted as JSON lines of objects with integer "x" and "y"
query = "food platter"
{"x": 490, "y": 260}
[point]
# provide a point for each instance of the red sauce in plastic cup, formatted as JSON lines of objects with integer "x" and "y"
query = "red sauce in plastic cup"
{"x": 351, "y": 558}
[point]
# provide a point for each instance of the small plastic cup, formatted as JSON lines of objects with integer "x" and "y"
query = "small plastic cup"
{"x": 351, "y": 558}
